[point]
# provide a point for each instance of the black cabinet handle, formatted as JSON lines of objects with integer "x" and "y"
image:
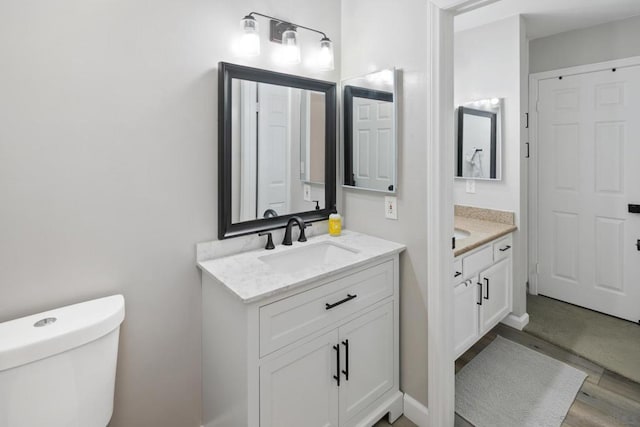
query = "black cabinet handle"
{"x": 487, "y": 280}
{"x": 480, "y": 284}
{"x": 506, "y": 248}
{"x": 342, "y": 301}
{"x": 337, "y": 376}
{"x": 458, "y": 273}
{"x": 346, "y": 359}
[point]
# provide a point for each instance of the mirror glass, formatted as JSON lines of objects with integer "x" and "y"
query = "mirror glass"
{"x": 278, "y": 149}
{"x": 479, "y": 139}
{"x": 369, "y": 132}
{"x": 277, "y": 155}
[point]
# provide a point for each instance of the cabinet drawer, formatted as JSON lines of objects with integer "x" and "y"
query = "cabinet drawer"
{"x": 471, "y": 264}
{"x": 457, "y": 271}
{"x": 293, "y": 318}
{"x": 502, "y": 248}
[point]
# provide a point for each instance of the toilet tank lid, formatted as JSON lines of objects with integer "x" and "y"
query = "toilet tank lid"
{"x": 32, "y": 338}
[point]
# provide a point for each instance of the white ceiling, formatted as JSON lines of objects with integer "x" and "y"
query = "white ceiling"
{"x": 547, "y": 17}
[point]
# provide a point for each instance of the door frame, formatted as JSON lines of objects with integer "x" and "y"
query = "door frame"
{"x": 440, "y": 176}
{"x": 534, "y": 80}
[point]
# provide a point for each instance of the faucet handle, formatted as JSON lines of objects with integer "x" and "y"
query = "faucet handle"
{"x": 302, "y": 237}
{"x": 270, "y": 244}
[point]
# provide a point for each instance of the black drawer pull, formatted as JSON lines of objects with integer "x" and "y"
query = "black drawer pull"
{"x": 480, "y": 284}
{"x": 487, "y": 280}
{"x": 337, "y": 377}
{"x": 342, "y": 301}
{"x": 458, "y": 273}
{"x": 506, "y": 248}
{"x": 346, "y": 360}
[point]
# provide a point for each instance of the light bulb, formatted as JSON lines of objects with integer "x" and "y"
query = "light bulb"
{"x": 250, "y": 40}
{"x": 325, "y": 57}
{"x": 290, "y": 48}
{"x": 495, "y": 101}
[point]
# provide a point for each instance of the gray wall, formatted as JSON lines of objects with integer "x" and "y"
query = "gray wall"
{"x": 108, "y": 176}
{"x": 605, "y": 42}
{"x": 375, "y": 34}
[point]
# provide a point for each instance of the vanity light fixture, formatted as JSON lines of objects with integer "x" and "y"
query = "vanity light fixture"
{"x": 250, "y": 41}
{"x": 286, "y": 33}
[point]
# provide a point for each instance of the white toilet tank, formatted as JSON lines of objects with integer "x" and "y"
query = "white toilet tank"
{"x": 58, "y": 368}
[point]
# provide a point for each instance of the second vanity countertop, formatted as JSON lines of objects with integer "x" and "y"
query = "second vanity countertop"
{"x": 251, "y": 279}
{"x": 480, "y": 231}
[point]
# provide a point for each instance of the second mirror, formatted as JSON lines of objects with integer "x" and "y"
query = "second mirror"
{"x": 369, "y": 131}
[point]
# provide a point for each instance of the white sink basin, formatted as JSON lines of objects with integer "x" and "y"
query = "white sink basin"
{"x": 460, "y": 234}
{"x": 303, "y": 257}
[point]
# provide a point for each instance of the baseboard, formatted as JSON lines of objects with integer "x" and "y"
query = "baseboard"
{"x": 516, "y": 322}
{"x": 415, "y": 411}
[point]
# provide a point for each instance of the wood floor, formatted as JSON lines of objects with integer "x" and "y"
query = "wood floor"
{"x": 605, "y": 399}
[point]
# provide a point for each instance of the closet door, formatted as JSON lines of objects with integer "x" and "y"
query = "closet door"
{"x": 589, "y": 156}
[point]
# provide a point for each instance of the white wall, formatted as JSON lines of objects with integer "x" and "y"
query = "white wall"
{"x": 108, "y": 171}
{"x": 490, "y": 62}
{"x": 605, "y": 42}
{"x": 381, "y": 34}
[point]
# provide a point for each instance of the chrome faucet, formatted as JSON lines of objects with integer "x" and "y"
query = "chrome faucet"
{"x": 287, "y": 233}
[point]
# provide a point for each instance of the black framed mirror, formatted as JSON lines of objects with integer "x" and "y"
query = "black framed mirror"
{"x": 478, "y": 140}
{"x": 276, "y": 149}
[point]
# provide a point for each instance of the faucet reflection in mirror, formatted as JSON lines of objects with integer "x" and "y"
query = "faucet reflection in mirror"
{"x": 285, "y": 33}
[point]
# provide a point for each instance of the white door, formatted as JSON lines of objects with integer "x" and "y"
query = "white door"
{"x": 373, "y": 151}
{"x": 299, "y": 389}
{"x": 589, "y": 171}
{"x": 495, "y": 303}
{"x": 367, "y": 360}
{"x": 273, "y": 149}
{"x": 466, "y": 300}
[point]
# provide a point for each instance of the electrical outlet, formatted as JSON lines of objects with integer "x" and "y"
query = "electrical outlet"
{"x": 471, "y": 186}
{"x": 391, "y": 207}
{"x": 307, "y": 192}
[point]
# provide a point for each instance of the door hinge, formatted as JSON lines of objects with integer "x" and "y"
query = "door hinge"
{"x": 537, "y": 106}
{"x": 526, "y": 122}
{"x": 257, "y": 107}
{"x": 537, "y": 268}
{"x": 528, "y": 153}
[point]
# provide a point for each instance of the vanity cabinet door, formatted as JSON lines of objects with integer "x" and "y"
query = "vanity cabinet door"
{"x": 298, "y": 388}
{"x": 496, "y": 295}
{"x": 466, "y": 297}
{"x": 367, "y": 360}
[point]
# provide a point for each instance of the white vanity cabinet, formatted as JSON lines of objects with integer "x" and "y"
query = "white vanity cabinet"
{"x": 482, "y": 291}
{"x": 321, "y": 355}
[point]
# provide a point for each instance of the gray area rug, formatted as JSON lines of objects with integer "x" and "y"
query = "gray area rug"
{"x": 509, "y": 385}
{"x": 607, "y": 341}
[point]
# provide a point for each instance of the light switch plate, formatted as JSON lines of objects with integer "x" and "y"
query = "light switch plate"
{"x": 307, "y": 192}
{"x": 471, "y": 186}
{"x": 391, "y": 207}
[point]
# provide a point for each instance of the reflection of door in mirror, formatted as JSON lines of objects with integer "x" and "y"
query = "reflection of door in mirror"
{"x": 274, "y": 127}
{"x": 370, "y": 120}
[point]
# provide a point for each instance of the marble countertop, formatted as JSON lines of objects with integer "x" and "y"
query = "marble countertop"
{"x": 251, "y": 279}
{"x": 481, "y": 232}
